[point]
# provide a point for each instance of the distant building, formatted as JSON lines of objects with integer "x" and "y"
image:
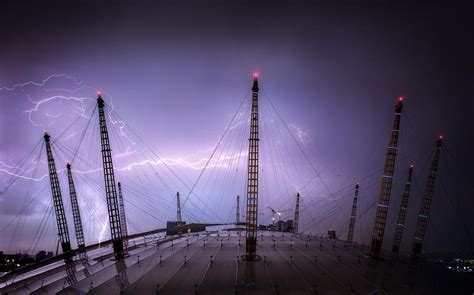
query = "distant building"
{"x": 171, "y": 229}
{"x": 332, "y": 234}
{"x": 263, "y": 227}
{"x": 280, "y": 225}
{"x": 9, "y": 262}
{"x": 284, "y": 226}
{"x": 42, "y": 255}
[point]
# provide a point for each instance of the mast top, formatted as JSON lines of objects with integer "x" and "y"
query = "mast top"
{"x": 399, "y": 105}
{"x": 255, "y": 82}
{"x": 439, "y": 141}
{"x": 100, "y": 100}
{"x": 46, "y": 136}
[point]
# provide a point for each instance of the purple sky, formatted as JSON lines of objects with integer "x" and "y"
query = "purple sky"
{"x": 178, "y": 73}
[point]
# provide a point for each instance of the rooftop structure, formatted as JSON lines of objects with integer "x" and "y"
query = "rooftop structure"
{"x": 210, "y": 263}
{"x": 185, "y": 258}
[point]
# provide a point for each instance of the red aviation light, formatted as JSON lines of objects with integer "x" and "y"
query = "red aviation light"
{"x": 99, "y": 93}
{"x": 401, "y": 98}
{"x": 255, "y": 75}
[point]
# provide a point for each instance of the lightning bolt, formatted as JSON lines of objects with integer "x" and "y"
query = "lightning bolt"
{"x": 42, "y": 111}
{"x": 69, "y": 136}
{"x": 302, "y": 134}
{"x": 196, "y": 165}
{"x": 80, "y": 103}
{"x": 60, "y": 98}
{"x": 19, "y": 172}
{"x": 6, "y": 166}
{"x": 42, "y": 83}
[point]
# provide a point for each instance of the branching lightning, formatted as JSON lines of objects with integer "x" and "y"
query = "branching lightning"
{"x": 60, "y": 98}
{"x": 79, "y": 107}
{"x": 40, "y": 84}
